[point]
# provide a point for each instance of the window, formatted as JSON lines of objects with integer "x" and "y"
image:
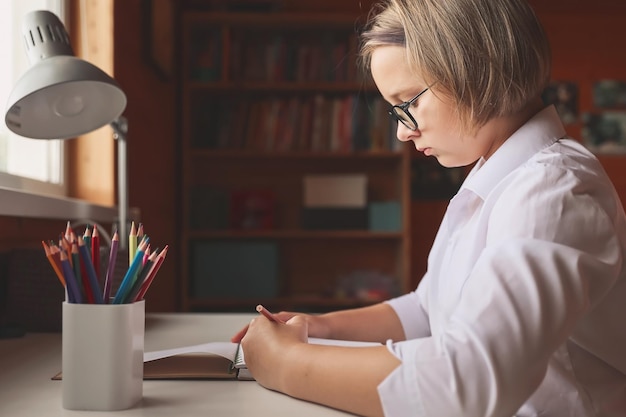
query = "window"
{"x": 25, "y": 164}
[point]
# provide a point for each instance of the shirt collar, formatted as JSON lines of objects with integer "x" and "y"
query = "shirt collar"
{"x": 541, "y": 131}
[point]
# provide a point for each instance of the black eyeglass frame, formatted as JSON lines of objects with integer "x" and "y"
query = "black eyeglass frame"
{"x": 404, "y": 107}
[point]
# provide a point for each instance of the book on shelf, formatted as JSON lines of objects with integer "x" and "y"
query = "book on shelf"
{"x": 334, "y": 202}
{"x": 252, "y": 209}
{"x": 205, "y": 56}
{"x": 312, "y": 123}
{"x": 213, "y": 360}
{"x": 281, "y": 56}
{"x": 319, "y": 129}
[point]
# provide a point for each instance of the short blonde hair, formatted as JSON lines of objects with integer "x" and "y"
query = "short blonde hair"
{"x": 491, "y": 57}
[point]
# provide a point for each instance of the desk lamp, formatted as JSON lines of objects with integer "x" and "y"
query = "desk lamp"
{"x": 61, "y": 96}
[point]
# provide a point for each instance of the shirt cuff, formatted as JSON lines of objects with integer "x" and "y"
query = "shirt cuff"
{"x": 398, "y": 392}
{"x": 412, "y": 316}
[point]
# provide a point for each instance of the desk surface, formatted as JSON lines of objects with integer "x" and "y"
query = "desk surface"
{"x": 28, "y": 363}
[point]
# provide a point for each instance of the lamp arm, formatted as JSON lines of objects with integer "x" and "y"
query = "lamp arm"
{"x": 120, "y": 131}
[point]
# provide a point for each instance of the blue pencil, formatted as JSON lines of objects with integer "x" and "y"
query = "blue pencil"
{"x": 73, "y": 294}
{"x": 131, "y": 274}
{"x": 75, "y": 257}
{"x": 91, "y": 272}
{"x": 141, "y": 276}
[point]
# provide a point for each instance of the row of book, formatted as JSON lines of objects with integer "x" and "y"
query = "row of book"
{"x": 274, "y": 57}
{"x": 316, "y": 123}
{"x": 257, "y": 208}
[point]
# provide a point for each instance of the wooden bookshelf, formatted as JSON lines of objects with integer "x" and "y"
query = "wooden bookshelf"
{"x": 266, "y": 99}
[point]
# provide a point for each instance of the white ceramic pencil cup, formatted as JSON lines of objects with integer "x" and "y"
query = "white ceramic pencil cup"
{"x": 103, "y": 346}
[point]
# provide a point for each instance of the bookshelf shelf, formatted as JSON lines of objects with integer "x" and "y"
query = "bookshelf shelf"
{"x": 296, "y": 235}
{"x": 268, "y": 99}
{"x": 280, "y": 87}
{"x": 382, "y": 155}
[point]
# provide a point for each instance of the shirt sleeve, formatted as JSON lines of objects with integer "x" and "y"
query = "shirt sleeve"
{"x": 412, "y": 312}
{"x": 521, "y": 300}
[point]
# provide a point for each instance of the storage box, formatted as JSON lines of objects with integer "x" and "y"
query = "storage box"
{"x": 385, "y": 216}
{"x": 335, "y": 191}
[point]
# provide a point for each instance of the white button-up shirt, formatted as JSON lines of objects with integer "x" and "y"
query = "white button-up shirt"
{"x": 523, "y": 308}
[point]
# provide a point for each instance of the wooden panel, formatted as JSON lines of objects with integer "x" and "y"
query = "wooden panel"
{"x": 152, "y": 147}
{"x": 91, "y": 158}
{"x": 28, "y": 233}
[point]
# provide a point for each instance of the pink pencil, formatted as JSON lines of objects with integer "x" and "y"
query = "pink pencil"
{"x": 108, "y": 280}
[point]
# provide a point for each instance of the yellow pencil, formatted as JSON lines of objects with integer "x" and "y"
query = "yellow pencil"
{"x": 132, "y": 243}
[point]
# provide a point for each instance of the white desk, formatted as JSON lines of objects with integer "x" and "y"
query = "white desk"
{"x": 28, "y": 363}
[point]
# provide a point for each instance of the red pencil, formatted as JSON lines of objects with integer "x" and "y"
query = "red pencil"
{"x": 270, "y": 316}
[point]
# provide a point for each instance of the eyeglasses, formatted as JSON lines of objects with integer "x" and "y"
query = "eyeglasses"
{"x": 401, "y": 113}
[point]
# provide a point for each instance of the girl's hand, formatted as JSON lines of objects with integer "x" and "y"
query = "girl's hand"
{"x": 315, "y": 324}
{"x": 265, "y": 345}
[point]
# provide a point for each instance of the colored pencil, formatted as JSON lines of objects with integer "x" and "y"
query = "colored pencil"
{"x": 68, "y": 231}
{"x": 85, "y": 284}
{"x": 65, "y": 245}
{"x": 110, "y": 274}
{"x": 75, "y": 259}
{"x": 78, "y": 271}
{"x": 74, "y": 295}
{"x": 87, "y": 237}
{"x": 151, "y": 274}
{"x": 91, "y": 273}
{"x": 132, "y": 243}
{"x": 131, "y": 274}
{"x": 56, "y": 266}
{"x": 268, "y": 315}
{"x": 141, "y": 277}
{"x": 146, "y": 255}
{"x": 140, "y": 232}
{"x": 95, "y": 251}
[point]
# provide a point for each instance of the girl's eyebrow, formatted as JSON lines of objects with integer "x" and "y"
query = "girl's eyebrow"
{"x": 408, "y": 94}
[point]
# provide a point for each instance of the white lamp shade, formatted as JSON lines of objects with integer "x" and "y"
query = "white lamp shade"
{"x": 63, "y": 97}
{"x": 60, "y": 96}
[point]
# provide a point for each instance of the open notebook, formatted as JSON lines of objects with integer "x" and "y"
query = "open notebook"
{"x": 214, "y": 360}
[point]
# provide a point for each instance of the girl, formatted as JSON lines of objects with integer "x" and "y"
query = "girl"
{"x": 520, "y": 311}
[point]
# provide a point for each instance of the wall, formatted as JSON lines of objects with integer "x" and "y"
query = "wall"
{"x": 588, "y": 44}
{"x": 152, "y": 145}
